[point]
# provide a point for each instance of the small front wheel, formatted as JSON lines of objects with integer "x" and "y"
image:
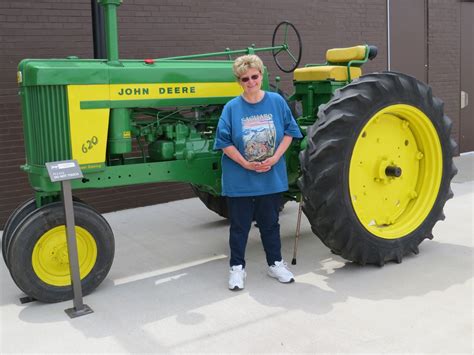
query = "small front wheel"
{"x": 13, "y": 221}
{"x": 38, "y": 255}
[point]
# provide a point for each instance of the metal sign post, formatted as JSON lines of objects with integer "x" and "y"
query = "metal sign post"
{"x": 64, "y": 171}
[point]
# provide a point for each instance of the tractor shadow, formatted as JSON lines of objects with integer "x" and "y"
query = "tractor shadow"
{"x": 178, "y": 276}
{"x": 322, "y": 281}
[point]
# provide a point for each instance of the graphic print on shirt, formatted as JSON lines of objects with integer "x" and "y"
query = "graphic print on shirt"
{"x": 259, "y": 137}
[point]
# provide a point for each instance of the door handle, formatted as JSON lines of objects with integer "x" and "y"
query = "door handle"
{"x": 464, "y": 99}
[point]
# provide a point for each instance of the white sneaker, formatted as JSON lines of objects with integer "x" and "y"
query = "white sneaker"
{"x": 237, "y": 277}
{"x": 281, "y": 272}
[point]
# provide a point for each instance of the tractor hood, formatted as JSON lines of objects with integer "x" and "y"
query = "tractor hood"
{"x": 34, "y": 72}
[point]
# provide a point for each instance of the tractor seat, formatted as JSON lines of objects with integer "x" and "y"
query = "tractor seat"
{"x": 335, "y": 68}
{"x": 325, "y": 72}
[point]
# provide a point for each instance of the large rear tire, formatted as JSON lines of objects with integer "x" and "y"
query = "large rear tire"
{"x": 377, "y": 169}
{"x": 37, "y": 254}
{"x": 215, "y": 203}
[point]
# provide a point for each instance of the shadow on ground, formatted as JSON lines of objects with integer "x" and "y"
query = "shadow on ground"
{"x": 323, "y": 280}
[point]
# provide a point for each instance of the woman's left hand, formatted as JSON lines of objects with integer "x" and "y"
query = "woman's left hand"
{"x": 268, "y": 163}
{"x": 262, "y": 169}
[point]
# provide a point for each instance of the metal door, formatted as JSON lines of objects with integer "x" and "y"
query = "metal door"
{"x": 408, "y": 42}
{"x": 466, "y": 129}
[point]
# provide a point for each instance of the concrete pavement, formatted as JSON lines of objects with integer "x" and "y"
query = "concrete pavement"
{"x": 167, "y": 292}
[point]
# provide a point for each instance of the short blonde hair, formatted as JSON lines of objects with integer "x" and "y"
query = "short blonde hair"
{"x": 246, "y": 62}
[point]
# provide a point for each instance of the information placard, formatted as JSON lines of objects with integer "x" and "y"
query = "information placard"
{"x": 64, "y": 170}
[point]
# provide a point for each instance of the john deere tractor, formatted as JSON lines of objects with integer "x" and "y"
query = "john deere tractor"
{"x": 372, "y": 172}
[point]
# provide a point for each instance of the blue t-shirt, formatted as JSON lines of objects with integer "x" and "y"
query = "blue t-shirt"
{"x": 255, "y": 130}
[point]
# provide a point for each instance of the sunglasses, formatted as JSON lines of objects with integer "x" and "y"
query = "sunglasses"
{"x": 246, "y": 78}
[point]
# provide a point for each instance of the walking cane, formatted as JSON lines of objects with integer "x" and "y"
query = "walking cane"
{"x": 297, "y": 235}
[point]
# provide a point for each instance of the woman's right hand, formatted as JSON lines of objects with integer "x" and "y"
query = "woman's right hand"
{"x": 235, "y": 155}
{"x": 257, "y": 166}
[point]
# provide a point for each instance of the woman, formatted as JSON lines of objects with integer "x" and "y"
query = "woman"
{"x": 254, "y": 131}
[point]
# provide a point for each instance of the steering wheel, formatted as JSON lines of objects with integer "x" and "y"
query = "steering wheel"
{"x": 285, "y": 48}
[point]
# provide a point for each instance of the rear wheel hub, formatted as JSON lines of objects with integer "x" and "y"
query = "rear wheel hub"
{"x": 393, "y": 182}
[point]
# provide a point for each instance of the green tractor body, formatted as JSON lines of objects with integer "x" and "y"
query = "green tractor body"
{"x": 91, "y": 111}
{"x": 372, "y": 171}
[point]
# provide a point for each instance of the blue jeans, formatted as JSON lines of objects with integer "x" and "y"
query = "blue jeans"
{"x": 265, "y": 211}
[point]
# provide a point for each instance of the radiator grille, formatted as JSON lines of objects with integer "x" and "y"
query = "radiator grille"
{"x": 46, "y": 124}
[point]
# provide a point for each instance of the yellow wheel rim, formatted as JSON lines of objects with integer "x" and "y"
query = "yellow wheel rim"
{"x": 50, "y": 257}
{"x": 398, "y": 136}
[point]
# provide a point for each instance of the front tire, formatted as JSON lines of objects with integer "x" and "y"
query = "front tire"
{"x": 37, "y": 254}
{"x": 377, "y": 169}
{"x": 13, "y": 221}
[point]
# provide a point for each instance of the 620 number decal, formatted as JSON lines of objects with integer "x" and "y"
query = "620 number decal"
{"x": 89, "y": 144}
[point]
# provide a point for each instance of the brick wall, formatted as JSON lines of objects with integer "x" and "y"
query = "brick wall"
{"x": 150, "y": 28}
{"x": 31, "y": 29}
{"x": 186, "y": 26}
{"x": 52, "y": 29}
